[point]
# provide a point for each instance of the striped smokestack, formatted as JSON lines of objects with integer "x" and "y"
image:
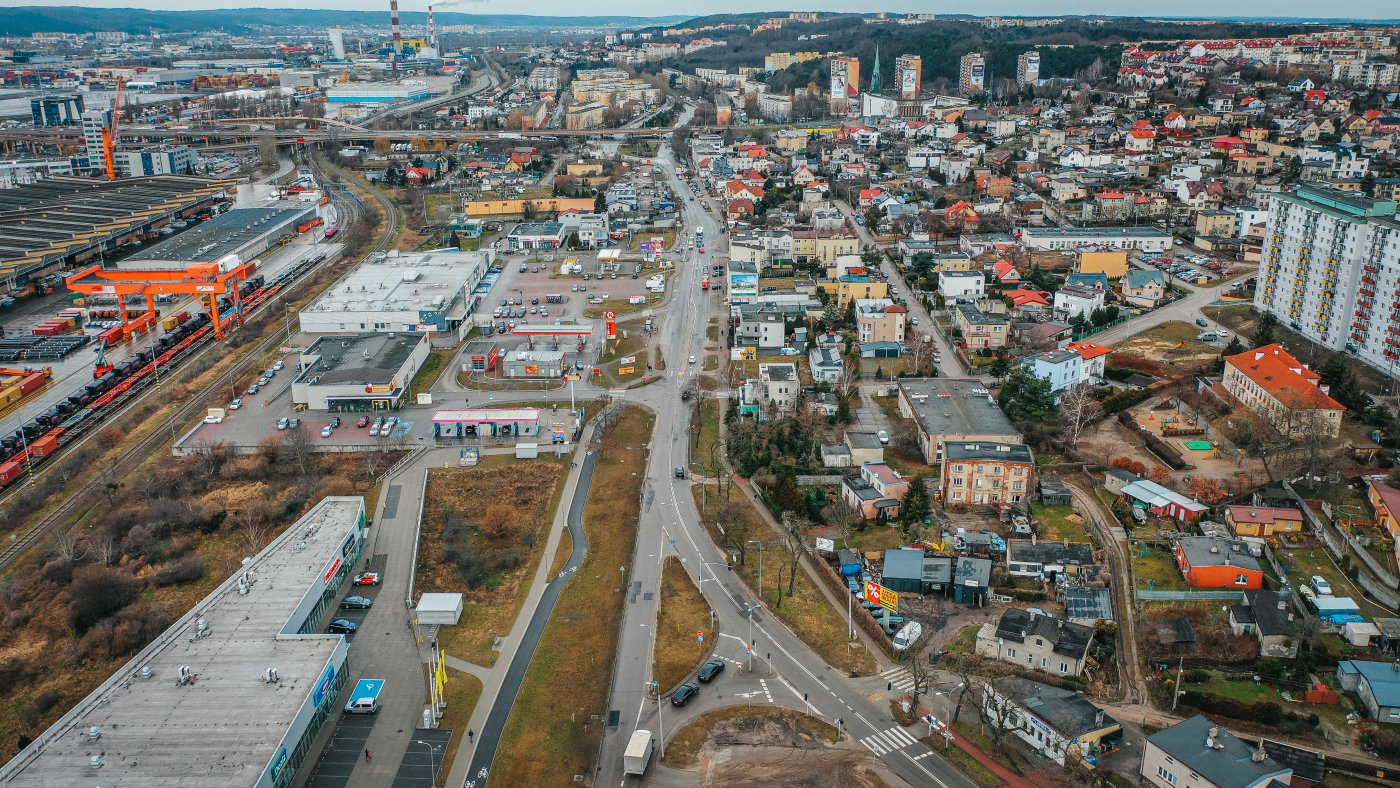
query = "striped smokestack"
{"x": 394, "y": 25}
{"x": 432, "y": 29}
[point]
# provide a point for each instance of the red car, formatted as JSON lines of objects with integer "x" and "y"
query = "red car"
{"x": 367, "y": 579}
{"x": 363, "y": 422}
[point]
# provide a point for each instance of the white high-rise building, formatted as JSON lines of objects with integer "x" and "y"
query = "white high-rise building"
{"x": 1331, "y": 271}
{"x": 337, "y": 37}
{"x": 1027, "y": 68}
{"x": 94, "y": 121}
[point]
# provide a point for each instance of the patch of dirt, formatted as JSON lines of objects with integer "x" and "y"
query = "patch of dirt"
{"x": 762, "y": 767}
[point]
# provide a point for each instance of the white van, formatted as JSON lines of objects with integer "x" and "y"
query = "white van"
{"x": 907, "y": 635}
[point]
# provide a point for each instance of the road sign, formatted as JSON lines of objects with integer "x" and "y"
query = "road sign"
{"x": 878, "y": 594}
{"x": 700, "y": 636}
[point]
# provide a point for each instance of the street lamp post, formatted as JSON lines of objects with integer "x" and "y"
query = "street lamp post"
{"x": 432, "y": 761}
{"x": 761, "y": 547}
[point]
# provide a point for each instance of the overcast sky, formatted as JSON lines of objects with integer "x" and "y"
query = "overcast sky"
{"x": 1342, "y": 8}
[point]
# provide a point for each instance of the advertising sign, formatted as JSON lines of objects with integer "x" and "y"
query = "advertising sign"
{"x": 531, "y": 370}
{"x": 626, "y": 370}
{"x": 629, "y": 360}
{"x": 323, "y": 689}
{"x": 610, "y": 318}
{"x": 826, "y": 545}
{"x": 878, "y": 594}
{"x": 908, "y": 84}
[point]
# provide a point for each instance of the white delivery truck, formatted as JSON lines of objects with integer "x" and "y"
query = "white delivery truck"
{"x": 638, "y": 753}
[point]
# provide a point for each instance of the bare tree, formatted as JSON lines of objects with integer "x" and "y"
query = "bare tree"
{"x": 298, "y": 448}
{"x": 998, "y": 708}
{"x": 913, "y": 660}
{"x": 1077, "y": 408}
{"x": 793, "y": 543}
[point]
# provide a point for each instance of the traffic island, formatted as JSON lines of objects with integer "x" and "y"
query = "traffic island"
{"x": 684, "y": 632}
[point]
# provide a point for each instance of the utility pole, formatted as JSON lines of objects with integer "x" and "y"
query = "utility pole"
{"x": 1176, "y": 689}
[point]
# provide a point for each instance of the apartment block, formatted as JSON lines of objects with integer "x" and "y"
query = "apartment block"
{"x": 1331, "y": 271}
{"x": 972, "y": 73}
{"x": 1028, "y": 68}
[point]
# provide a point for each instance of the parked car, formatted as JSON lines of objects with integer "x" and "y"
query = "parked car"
{"x": 883, "y": 436}
{"x": 342, "y": 626}
{"x": 327, "y": 431}
{"x": 335, "y": 422}
{"x": 283, "y": 423}
{"x": 253, "y": 389}
{"x": 293, "y": 423}
{"x": 236, "y": 404}
{"x": 278, "y": 366}
{"x": 376, "y": 426}
{"x": 367, "y": 579}
{"x": 710, "y": 670}
{"x": 363, "y": 422}
{"x": 1321, "y": 586}
{"x": 356, "y": 603}
{"x": 684, "y": 693}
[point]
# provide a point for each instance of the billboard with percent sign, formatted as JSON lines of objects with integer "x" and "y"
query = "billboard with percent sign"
{"x": 879, "y": 595}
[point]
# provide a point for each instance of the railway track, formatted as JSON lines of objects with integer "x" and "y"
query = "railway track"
{"x": 79, "y": 501}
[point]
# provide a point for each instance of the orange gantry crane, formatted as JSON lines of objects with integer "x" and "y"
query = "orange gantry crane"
{"x": 206, "y": 281}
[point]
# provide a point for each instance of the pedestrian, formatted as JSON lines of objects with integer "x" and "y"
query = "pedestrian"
{"x": 368, "y": 757}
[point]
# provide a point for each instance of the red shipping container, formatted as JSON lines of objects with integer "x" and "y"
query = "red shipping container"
{"x": 44, "y": 446}
{"x": 10, "y": 471}
{"x": 32, "y": 383}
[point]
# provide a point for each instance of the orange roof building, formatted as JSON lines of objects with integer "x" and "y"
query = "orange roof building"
{"x": 1271, "y": 382}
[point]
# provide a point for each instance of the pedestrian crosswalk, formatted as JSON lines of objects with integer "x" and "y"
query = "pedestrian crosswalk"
{"x": 887, "y": 741}
{"x": 900, "y": 678}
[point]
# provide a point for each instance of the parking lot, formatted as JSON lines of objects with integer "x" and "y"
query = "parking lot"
{"x": 1191, "y": 268}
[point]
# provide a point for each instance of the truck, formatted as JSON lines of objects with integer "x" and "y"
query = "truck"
{"x": 365, "y": 698}
{"x": 638, "y": 753}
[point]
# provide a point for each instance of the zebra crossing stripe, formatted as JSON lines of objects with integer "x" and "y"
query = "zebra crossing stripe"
{"x": 874, "y": 747}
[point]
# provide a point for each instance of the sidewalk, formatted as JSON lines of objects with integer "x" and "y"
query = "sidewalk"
{"x": 1010, "y": 777}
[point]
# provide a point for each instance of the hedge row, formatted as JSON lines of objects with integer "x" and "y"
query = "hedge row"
{"x": 1266, "y": 712}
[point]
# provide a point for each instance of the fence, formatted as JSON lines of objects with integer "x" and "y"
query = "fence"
{"x": 1382, "y": 586}
{"x": 1189, "y": 596}
{"x": 859, "y": 615}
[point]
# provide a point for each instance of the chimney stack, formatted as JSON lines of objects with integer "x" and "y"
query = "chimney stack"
{"x": 432, "y": 29}
{"x": 394, "y": 26}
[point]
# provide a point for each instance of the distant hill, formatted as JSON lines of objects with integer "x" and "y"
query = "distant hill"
{"x": 26, "y": 20}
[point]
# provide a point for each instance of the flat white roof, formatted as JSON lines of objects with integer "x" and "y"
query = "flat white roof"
{"x": 224, "y": 728}
{"x": 486, "y": 415}
{"x": 406, "y": 282}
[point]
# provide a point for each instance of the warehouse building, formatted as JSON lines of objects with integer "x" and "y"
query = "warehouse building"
{"x": 360, "y": 373}
{"x": 253, "y": 646}
{"x": 378, "y": 92}
{"x": 246, "y": 232}
{"x": 65, "y": 221}
{"x": 409, "y": 291}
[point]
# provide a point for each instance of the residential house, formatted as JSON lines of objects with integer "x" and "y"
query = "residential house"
{"x": 1089, "y": 605}
{"x": 1385, "y": 503}
{"x": 953, "y": 409}
{"x": 1217, "y": 562}
{"x": 1271, "y": 382}
{"x": 1021, "y": 637}
{"x": 1073, "y": 300}
{"x": 1377, "y": 684}
{"x": 876, "y": 492}
{"x": 981, "y": 473}
{"x": 1006, "y": 273}
{"x": 1047, "y": 560}
{"x": 1263, "y": 521}
{"x": 1162, "y": 501}
{"x": 1062, "y": 369}
{"x": 1093, "y": 357}
{"x": 1144, "y": 288}
{"x": 1091, "y": 280}
{"x": 1060, "y": 724}
{"x": 852, "y": 286}
{"x": 961, "y": 286}
{"x": 1197, "y": 753}
{"x": 835, "y": 455}
{"x": 779, "y": 386}
{"x": 1268, "y": 617}
{"x": 979, "y": 330}
{"x": 880, "y": 320}
{"x": 825, "y": 364}
{"x": 761, "y": 326}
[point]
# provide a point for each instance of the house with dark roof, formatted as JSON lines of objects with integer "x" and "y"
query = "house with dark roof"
{"x": 1049, "y": 561}
{"x": 1088, "y": 605}
{"x": 1216, "y": 562}
{"x": 1270, "y": 618}
{"x": 1057, "y": 723}
{"x": 1021, "y": 637}
{"x": 1200, "y": 754}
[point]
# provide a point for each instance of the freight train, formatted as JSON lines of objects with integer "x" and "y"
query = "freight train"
{"x": 115, "y": 384}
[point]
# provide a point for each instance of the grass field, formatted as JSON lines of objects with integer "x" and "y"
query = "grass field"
{"x": 1157, "y": 567}
{"x": 706, "y": 437}
{"x": 681, "y": 614}
{"x": 621, "y": 306}
{"x": 979, "y": 774}
{"x": 683, "y": 749}
{"x": 1058, "y": 525}
{"x": 465, "y": 494}
{"x": 429, "y": 373}
{"x": 965, "y": 641}
{"x": 806, "y": 612}
{"x": 552, "y": 735}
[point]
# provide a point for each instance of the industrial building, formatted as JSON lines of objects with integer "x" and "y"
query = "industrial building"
{"x": 401, "y": 291}
{"x": 57, "y": 110}
{"x": 246, "y": 232}
{"x": 378, "y": 92}
{"x": 64, "y": 221}
{"x": 165, "y": 160}
{"x": 235, "y": 692}
{"x": 360, "y": 373}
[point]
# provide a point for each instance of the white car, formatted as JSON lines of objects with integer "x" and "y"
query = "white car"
{"x": 883, "y": 436}
{"x": 692, "y": 359}
{"x": 236, "y": 404}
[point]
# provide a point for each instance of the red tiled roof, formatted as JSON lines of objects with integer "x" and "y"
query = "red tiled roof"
{"x": 1090, "y": 350}
{"x": 1276, "y": 371}
{"x": 1263, "y": 514}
